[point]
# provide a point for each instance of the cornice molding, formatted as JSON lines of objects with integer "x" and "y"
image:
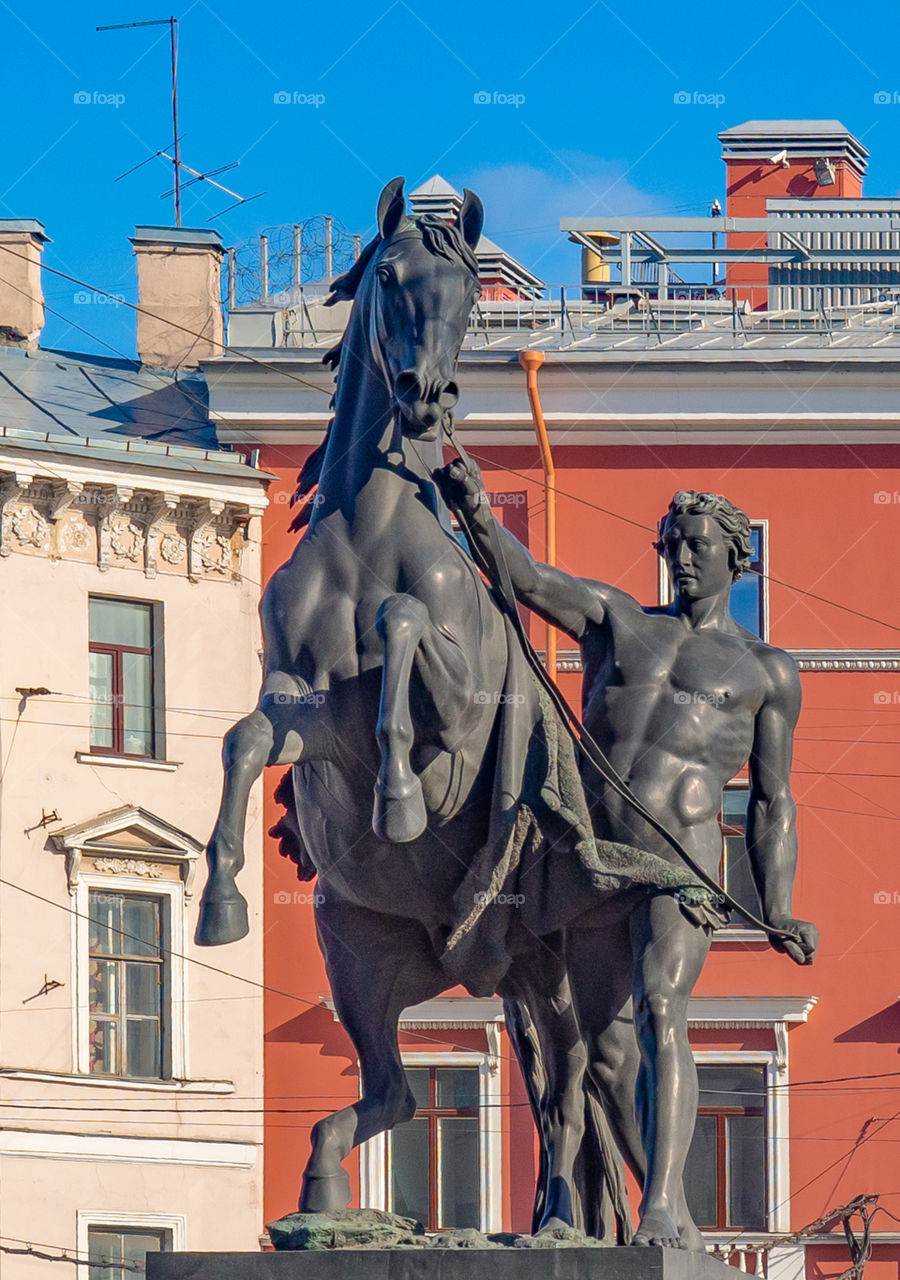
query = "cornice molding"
{"x": 809, "y": 660}
{"x": 158, "y": 526}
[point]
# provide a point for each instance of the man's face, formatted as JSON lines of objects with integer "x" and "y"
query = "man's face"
{"x": 698, "y": 556}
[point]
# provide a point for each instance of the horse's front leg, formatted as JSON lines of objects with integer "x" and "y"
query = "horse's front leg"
{"x": 377, "y": 966}
{"x": 399, "y": 814}
{"x": 288, "y": 725}
{"x": 412, "y": 641}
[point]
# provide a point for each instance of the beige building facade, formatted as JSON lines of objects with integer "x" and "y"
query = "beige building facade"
{"x": 130, "y": 1060}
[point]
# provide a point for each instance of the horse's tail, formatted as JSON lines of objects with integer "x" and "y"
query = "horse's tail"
{"x": 600, "y": 1205}
{"x": 287, "y": 829}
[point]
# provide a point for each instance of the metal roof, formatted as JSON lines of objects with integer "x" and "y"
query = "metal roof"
{"x": 177, "y": 235}
{"x": 29, "y": 226}
{"x": 801, "y": 139}
{"x": 63, "y": 401}
{"x": 782, "y": 128}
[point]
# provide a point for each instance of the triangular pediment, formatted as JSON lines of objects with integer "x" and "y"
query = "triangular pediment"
{"x": 131, "y": 828}
{"x": 129, "y": 832}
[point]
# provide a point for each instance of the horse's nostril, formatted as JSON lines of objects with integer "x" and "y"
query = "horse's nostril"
{"x": 449, "y": 396}
{"x": 408, "y": 386}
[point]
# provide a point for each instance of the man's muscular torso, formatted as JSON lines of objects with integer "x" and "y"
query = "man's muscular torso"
{"x": 674, "y": 709}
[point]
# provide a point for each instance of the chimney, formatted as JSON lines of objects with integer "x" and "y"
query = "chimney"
{"x": 179, "y": 293}
{"x": 783, "y": 159}
{"x": 21, "y": 295}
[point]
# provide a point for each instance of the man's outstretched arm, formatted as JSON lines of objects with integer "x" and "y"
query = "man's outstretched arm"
{"x": 559, "y": 598}
{"x": 771, "y": 813}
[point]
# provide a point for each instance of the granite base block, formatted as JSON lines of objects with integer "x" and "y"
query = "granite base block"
{"x": 440, "y": 1264}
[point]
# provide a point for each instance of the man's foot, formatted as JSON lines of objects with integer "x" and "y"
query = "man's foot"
{"x": 657, "y": 1228}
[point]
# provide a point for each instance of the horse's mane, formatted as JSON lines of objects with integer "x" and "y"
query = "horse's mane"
{"x": 445, "y": 240}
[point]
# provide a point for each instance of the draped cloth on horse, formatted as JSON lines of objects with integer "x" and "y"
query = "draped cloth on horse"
{"x": 541, "y": 866}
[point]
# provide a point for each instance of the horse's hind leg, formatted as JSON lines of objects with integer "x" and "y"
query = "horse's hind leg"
{"x": 288, "y": 725}
{"x": 552, "y": 1055}
{"x": 399, "y": 814}
{"x": 378, "y": 966}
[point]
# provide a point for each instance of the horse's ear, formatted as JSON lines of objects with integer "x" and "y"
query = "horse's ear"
{"x": 391, "y": 208}
{"x": 471, "y": 218}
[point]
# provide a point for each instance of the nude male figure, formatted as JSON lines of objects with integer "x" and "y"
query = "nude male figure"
{"x": 680, "y": 698}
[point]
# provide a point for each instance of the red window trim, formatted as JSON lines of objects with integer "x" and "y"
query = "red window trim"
{"x": 721, "y": 1114}
{"x": 432, "y": 1114}
{"x": 118, "y": 703}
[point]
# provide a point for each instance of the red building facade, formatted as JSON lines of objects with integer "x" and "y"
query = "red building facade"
{"x": 799, "y": 1067}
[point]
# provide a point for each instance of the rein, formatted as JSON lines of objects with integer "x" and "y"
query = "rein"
{"x": 580, "y": 735}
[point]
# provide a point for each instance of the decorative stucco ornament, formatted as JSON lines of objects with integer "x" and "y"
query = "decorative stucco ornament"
{"x": 29, "y": 527}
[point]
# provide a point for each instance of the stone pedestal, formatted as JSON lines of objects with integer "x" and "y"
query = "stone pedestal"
{"x": 440, "y": 1264}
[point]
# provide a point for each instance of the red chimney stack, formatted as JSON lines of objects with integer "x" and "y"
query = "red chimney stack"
{"x": 781, "y": 159}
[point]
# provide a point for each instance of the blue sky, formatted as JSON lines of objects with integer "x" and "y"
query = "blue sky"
{"x": 585, "y": 119}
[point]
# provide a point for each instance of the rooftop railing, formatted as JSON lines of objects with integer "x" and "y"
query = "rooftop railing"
{"x": 607, "y": 316}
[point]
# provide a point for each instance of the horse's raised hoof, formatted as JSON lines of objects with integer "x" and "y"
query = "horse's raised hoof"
{"x": 221, "y": 922}
{"x": 399, "y": 818}
{"x": 325, "y": 1195}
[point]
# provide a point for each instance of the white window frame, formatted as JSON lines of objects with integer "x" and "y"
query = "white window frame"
{"x": 175, "y": 1021}
{"x": 373, "y": 1181}
{"x": 665, "y": 583}
{"x": 174, "y": 1223}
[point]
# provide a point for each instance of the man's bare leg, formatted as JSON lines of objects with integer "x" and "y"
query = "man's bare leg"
{"x": 669, "y": 953}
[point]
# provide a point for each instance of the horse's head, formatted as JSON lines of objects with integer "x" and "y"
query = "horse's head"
{"x": 420, "y": 280}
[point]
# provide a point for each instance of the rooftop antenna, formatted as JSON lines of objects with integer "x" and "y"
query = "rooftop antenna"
{"x": 175, "y": 157}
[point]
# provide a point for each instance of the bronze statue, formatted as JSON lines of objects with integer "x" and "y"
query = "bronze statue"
{"x": 681, "y": 698}
{"x": 434, "y": 792}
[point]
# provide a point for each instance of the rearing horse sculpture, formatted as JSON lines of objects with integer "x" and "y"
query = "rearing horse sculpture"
{"x": 393, "y": 691}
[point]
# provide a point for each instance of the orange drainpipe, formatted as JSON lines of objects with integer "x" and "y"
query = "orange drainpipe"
{"x": 531, "y": 361}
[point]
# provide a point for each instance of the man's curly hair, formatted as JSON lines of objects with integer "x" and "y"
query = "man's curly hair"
{"x": 733, "y": 522}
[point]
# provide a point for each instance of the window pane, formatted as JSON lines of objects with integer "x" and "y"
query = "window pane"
{"x": 700, "y": 1172}
{"x": 409, "y": 1169}
{"x": 104, "y": 987}
{"x": 104, "y": 910}
{"x": 417, "y": 1079}
{"x": 137, "y": 699}
{"x": 140, "y": 929}
{"x": 732, "y": 1087}
{"x": 143, "y": 988}
{"x": 745, "y": 1137}
{"x": 739, "y": 875}
{"x": 105, "y": 1251}
{"x": 113, "y": 1254}
{"x": 103, "y": 1045}
{"x": 734, "y": 806}
{"x": 101, "y": 711}
{"x": 137, "y": 1244}
{"x": 142, "y": 1056}
{"x": 458, "y": 1157}
{"x": 745, "y": 601}
{"x": 120, "y": 622}
{"x": 457, "y": 1087}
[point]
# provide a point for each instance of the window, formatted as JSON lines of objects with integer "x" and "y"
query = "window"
{"x": 725, "y": 1174}
{"x": 433, "y": 1160}
{"x": 127, "y": 985}
{"x": 735, "y": 869}
{"x": 117, "y": 1253}
{"x": 122, "y": 638}
{"x": 748, "y": 595}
